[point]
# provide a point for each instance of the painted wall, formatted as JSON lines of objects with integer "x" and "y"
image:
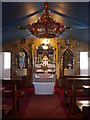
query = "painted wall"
{"x": 14, "y": 47}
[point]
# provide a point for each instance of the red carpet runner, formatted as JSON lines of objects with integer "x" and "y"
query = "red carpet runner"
{"x": 43, "y": 106}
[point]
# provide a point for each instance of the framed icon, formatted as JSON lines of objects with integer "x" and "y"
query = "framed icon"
{"x": 67, "y": 42}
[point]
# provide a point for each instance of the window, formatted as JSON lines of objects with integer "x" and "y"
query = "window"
{"x": 83, "y": 62}
{"x": 6, "y": 64}
{"x": 7, "y": 60}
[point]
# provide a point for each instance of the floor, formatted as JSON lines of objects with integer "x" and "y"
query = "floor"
{"x": 42, "y": 106}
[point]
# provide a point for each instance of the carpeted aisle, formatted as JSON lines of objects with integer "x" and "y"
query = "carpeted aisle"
{"x": 44, "y": 106}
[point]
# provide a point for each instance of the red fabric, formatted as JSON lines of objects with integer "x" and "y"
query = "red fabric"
{"x": 44, "y": 76}
{"x": 26, "y": 100}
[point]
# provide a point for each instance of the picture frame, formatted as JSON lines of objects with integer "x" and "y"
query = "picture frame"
{"x": 67, "y": 42}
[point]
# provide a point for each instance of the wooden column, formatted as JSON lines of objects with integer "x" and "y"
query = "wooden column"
{"x": 58, "y": 61}
{"x": 31, "y": 63}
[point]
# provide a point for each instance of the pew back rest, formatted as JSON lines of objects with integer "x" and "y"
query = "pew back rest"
{"x": 9, "y": 84}
{"x": 77, "y": 82}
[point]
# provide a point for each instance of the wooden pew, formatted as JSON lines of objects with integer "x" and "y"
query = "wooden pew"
{"x": 15, "y": 94}
{"x": 3, "y": 107}
{"x": 6, "y": 109}
{"x": 75, "y": 76}
{"x": 64, "y": 77}
{"x": 73, "y": 87}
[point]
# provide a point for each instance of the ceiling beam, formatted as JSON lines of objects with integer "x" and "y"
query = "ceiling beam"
{"x": 78, "y": 26}
{"x": 68, "y": 17}
{"x": 23, "y": 18}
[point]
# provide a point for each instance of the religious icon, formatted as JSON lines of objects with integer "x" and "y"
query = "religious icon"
{"x": 68, "y": 59}
{"x": 22, "y": 59}
{"x": 67, "y": 42}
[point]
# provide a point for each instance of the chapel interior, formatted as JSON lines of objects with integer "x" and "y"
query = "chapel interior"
{"x": 44, "y": 60}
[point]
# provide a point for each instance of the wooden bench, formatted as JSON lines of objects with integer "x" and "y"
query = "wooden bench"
{"x": 73, "y": 88}
{"x": 6, "y": 109}
{"x": 64, "y": 77}
{"x": 72, "y": 95}
{"x": 14, "y": 93}
{"x": 75, "y": 76}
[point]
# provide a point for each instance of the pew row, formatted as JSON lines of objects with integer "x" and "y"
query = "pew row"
{"x": 12, "y": 91}
{"x": 75, "y": 87}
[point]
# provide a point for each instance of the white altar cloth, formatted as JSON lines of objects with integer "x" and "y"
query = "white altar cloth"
{"x": 44, "y": 88}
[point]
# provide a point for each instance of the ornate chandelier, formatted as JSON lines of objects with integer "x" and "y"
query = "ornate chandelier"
{"x": 46, "y": 26}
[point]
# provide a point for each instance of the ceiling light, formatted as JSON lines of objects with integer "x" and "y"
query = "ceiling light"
{"x": 45, "y": 41}
{"x": 46, "y": 26}
{"x": 45, "y": 47}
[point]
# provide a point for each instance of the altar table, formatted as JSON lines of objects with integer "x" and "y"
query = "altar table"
{"x": 44, "y": 88}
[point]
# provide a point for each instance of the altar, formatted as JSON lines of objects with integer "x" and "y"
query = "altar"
{"x": 44, "y": 88}
{"x": 44, "y": 80}
{"x": 44, "y": 70}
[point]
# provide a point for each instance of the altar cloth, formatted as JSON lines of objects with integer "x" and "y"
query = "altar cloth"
{"x": 44, "y": 88}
